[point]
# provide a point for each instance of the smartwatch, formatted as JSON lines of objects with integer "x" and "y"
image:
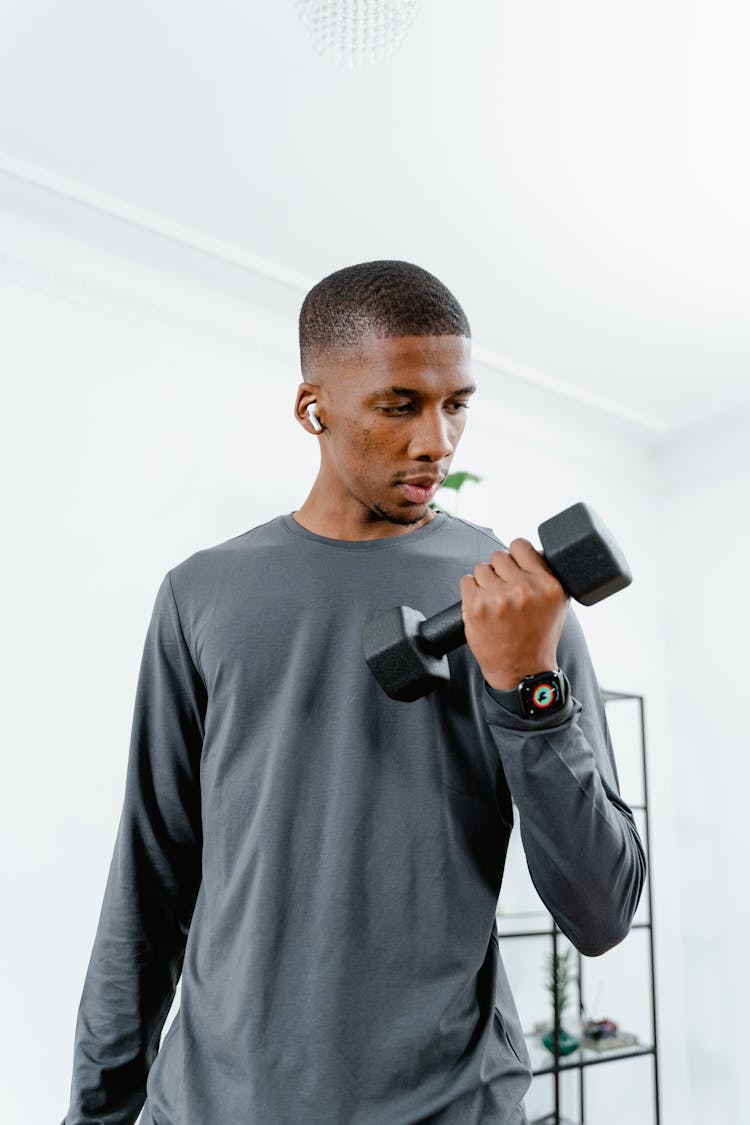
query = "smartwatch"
{"x": 535, "y": 696}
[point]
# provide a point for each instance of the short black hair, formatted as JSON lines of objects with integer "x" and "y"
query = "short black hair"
{"x": 387, "y": 298}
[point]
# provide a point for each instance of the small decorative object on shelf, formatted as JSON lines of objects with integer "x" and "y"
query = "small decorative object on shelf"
{"x": 566, "y": 1043}
{"x": 600, "y": 1029}
{"x": 558, "y": 1041}
{"x": 605, "y": 1035}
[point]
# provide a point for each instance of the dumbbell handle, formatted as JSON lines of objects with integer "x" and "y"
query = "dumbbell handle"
{"x": 443, "y": 632}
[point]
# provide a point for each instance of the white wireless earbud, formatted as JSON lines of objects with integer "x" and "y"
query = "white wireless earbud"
{"x": 314, "y": 418}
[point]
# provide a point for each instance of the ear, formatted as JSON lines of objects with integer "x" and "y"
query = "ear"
{"x": 307, "y": 393}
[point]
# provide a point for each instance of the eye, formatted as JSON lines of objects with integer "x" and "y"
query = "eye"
{"x": 403, "y": 409}
{"x": 456, "y": 406}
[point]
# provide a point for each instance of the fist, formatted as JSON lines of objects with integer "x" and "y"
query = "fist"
{"x": 513, "y": 609}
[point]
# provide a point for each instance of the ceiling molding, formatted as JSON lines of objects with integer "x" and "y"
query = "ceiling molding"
{"x": 125, "y": 302}
{"x": 96, "y": 282}
{"x": 149, "y": 221}
{"x": 550, "y": 384}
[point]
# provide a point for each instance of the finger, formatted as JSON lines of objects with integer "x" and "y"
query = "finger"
{"x": 470, "y": 592}
{"x": 530, "y": 561}
{"x": 526, "y": 557}
{"x": 504, "y": 565}
{"x": 487, "y": 575}
{"x": 467, "y": 585}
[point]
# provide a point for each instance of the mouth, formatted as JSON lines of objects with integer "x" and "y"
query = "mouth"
{"x": 419, "y": 490}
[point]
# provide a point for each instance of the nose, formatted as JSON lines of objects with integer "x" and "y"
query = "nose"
{"x": 432, "y": 437}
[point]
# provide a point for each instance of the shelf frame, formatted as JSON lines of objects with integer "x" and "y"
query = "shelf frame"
{"x": 578, "y": 1062}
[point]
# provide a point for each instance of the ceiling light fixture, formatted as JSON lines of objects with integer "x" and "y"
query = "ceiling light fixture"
{"x": 356, "y": 32}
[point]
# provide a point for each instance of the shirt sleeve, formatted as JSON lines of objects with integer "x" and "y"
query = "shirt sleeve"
{"x": 582, "y": 847}
{"x": 152, "y": 884}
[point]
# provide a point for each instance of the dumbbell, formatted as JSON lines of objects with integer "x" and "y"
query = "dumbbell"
{"x": 407, "y": 653}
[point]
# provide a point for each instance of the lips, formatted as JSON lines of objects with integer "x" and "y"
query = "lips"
{"x": 425, "y": 481}
{"x": 420, "y": 489}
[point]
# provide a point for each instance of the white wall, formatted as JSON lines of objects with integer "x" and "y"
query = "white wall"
{"x": 706, "y": 547}
{"x": 135, "y": 436}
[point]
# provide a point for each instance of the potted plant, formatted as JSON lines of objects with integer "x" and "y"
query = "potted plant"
{"x": 559, "y": 979}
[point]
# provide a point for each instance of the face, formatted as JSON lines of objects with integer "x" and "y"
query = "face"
{"x": 393, "y": 412}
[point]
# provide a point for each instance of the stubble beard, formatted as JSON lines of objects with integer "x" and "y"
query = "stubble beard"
{"x": 401, "y": 521}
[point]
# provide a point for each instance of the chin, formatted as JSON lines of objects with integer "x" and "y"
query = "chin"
{"x": 400, "y": 518}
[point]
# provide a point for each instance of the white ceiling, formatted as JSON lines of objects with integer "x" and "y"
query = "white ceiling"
{"x": 578, "y": 173}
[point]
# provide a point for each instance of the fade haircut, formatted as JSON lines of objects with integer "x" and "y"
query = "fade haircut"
{"x": 387, "y": 298}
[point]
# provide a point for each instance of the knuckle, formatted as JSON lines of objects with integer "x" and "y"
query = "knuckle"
{"x": 502, "y": 599}
{"x": 547, "y": 583}
{"x": 552, "y": 587}
{"x": 522, "y": 594}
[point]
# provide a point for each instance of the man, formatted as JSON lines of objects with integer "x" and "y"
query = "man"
{"x": 320, "y": 863}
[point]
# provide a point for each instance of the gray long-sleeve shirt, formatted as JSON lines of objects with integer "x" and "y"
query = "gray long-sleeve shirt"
{"x": 323, "y": 864}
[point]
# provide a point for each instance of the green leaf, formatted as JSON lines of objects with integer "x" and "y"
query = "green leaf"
{"x": 455, "y": 480}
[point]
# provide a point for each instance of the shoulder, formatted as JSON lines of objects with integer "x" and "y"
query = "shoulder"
{"x": 211, "y": 565}
{"x": 472, "y": 537}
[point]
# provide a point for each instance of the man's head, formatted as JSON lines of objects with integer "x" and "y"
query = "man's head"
{"x": 387, "y": 298}
{"x": 385, "y": 352}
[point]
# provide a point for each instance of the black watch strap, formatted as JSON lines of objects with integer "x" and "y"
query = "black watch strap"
{"x": 536, "y": 696}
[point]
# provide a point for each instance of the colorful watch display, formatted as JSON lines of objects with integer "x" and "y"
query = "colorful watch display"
{"x": 535, "y": 696}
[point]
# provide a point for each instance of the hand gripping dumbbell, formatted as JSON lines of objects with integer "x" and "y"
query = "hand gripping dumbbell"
{"x": 406, "y": 652}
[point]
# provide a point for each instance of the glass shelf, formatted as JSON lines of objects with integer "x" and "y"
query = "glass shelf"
{"x": 542, "y": 1062}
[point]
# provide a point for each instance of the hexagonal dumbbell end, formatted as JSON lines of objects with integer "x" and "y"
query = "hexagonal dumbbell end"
{"x": 583, "y": 554}
{"x": 398, "y": 657}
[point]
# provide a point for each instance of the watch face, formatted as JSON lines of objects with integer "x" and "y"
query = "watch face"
{"x": 541, "y": 694}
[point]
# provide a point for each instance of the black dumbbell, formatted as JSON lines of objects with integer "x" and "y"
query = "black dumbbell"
{"x": 406, "y": 652}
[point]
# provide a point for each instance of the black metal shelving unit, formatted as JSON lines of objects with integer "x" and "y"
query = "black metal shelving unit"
{"x": 584, "y": 1058}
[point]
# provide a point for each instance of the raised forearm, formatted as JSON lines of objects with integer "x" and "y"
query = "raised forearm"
{"x": 582, "y": 848}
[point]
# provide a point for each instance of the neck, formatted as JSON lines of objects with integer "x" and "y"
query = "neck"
{"x": 323, "y": 516}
